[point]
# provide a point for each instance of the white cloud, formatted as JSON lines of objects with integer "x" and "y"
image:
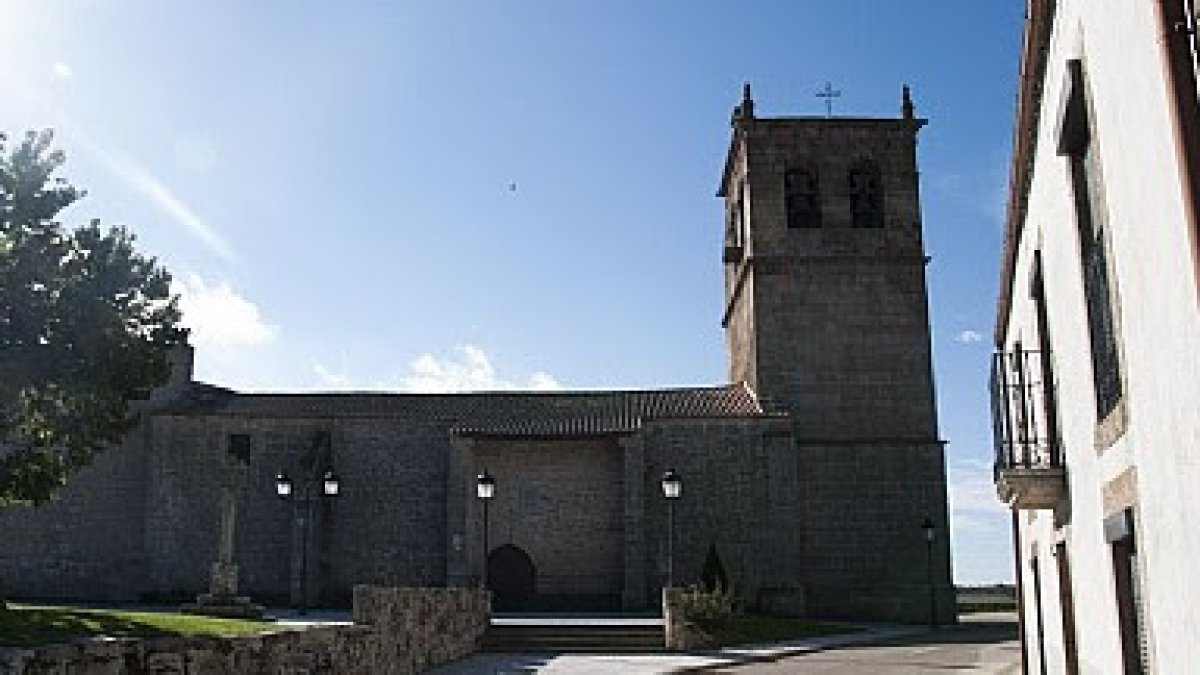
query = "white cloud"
{"x": 540, "y": 381}
{"x": 974, "y": 506}
{"x": 967, "y": 337}
{"x": 329, "y": 380}
{"x": 219, "y": 317}
{"x": 62, "y": 70}
{"x": 471, "y": 371}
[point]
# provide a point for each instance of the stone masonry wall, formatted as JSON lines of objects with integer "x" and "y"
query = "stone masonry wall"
{"x": 559, "y": 501}
{"x": 141, "y": 522}
{"x": 831, "y": 530}
{"x": 843, "y": 345}
{"x": 424, "y": 627}
{"x": 392, "y": 496}
{"x": 400, "y": 631}
{"x": 838, "y": 318}
{"x": 838, "y": 328}
{"x": 87, "y": 541}
{"x": 865, "y": 554}
{"x": 739, "y": 494}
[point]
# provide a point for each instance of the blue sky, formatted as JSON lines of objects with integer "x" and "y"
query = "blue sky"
{"x": 450, "y": 195}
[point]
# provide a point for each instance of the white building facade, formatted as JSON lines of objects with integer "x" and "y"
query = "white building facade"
{"x": 1096, "y": 383}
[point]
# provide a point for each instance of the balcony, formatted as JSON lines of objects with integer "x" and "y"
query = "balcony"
{"x": 1029, "y": 471}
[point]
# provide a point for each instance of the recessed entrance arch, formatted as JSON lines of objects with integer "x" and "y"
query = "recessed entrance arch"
{"x": 512, "y": 579}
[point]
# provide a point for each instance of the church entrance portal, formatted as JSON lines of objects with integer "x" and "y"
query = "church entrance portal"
{"x": 511, "y": 575}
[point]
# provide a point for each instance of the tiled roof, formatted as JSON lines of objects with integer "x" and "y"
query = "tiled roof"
{"x": 491, "y": 413}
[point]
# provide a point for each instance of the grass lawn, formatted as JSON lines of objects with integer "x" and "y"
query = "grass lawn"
{"x": 30, "y": 625}
{"x": 747, "y": 629}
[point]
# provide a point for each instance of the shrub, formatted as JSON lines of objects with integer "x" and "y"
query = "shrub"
{"x": 707, "y": 611}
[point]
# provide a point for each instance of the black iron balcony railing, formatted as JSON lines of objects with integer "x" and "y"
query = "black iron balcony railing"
{"x": 1029, "y": 468}
{"x": 1022, "y": 412}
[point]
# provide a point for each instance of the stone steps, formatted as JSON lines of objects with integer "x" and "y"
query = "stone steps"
{"x": 607, "y": 637}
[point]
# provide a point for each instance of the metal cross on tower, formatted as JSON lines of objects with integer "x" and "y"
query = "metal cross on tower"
{"x": 829, "y": 93}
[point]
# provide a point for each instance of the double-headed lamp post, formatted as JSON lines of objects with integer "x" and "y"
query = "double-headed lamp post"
{"x": 930, "y": 532}
{"x": 307, "y": 496}
{"x": 485, "y": 489}
{"x": 672, "y": 487}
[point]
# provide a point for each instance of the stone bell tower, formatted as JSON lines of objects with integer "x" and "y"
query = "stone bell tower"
{"x": 826, "y": 318}
{"x": 826, "y": 314}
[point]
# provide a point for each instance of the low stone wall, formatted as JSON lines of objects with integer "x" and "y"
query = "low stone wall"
{"x": 678, "y": 636}
{"x": 398, "y": 631}
{"x": 423, "y": 626}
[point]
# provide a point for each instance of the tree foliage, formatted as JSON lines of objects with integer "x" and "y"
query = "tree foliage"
{"x": 86, "y": 326}
{"x": 712, "y": 575}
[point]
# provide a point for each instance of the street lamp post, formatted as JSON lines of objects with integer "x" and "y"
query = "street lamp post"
{"x": 929, "y": 531}
{"x": 672, "y": 487}
{"x": 485, "y": 489}
{"x": 306, "y": 496}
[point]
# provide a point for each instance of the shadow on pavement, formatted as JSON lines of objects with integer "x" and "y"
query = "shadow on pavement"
{"x": 968, "y": 632}
{"x": 981, "y": 630}
{"x": 495, "y": 663}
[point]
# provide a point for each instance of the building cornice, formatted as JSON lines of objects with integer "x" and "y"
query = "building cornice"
{"x": 1039, "y": 24}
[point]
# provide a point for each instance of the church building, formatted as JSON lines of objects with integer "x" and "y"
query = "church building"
{"x": 815, "y": 477}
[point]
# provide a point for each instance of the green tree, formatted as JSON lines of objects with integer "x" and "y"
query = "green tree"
{"x": 86, "y": 326}
{"x": 713, "y": 573}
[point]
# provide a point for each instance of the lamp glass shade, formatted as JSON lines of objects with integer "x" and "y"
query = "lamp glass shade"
{"x": 283, "y": 485}
{"x": 330, "y": 484}
{"x": 672, "y": 486}
{"x": 928, "y": 529}
{"x": 485, "y": 486}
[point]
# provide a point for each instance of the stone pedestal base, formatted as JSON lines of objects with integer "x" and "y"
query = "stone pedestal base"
{"x": 229, "y": 606}
{"x": 675, "y": 633}
{"x": 223, "y": 579}
{"x": 222, "y": 598}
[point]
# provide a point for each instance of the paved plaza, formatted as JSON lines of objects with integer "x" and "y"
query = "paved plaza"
{"x": 984, "y": 643}
{"x": 979, "y": 645}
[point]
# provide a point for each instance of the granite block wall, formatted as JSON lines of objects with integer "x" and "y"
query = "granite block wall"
{"x": 836, "y": 528}
{"x": 739, "y": 495}
{"x": 384, "y": 527}
{"x": 865, "y": 554}
{"x": 560, "y": 501}
{"x": 87, "y": 542}
{"x": 863, "y": 366}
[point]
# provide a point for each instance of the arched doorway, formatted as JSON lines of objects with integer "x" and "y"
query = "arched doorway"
{"x": 511, "y": 576}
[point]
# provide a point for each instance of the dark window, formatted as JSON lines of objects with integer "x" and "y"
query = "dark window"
{"x": 735, "y": 221}
{"x": 1119, "y": 531}
{"x": 1041, "y": 617}
{"x": 735, "y": 234}
{"x": 1077, "y": 143}
{"x": 803, "y": 199}
{"x": 1066, "y": 600}
{"x": 1049, "y": 396}
{"x": 739, "y": 215}
{"x": 239, "y": 447}
{"x": 866, "y": 195}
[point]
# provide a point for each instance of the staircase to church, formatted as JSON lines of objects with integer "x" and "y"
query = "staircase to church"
{"x": 574, "y": 634}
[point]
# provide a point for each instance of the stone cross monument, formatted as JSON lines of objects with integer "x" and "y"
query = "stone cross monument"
{"x": 222, "y": 598}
